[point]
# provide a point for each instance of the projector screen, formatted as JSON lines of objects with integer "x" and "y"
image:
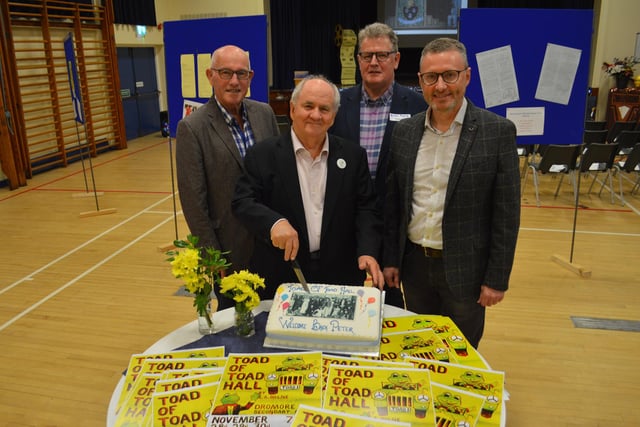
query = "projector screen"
{"x": 421, "y": 17}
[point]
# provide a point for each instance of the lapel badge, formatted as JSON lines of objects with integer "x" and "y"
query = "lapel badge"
{"x": 341, "y": 163}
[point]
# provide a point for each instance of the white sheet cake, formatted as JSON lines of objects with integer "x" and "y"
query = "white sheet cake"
{"x": 335, "y": 318}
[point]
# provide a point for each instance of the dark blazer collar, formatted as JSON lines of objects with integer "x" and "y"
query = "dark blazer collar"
{"x": 467, "y": 137}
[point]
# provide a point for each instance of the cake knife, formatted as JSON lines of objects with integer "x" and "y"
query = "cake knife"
{"x": 298, "y": 271}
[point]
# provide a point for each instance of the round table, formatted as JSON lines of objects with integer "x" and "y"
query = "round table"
{"x": 188, "y": 333}
{"x": 223, "y": 319}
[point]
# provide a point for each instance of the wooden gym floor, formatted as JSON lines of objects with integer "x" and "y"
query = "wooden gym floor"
{"x": 79, "y": 295}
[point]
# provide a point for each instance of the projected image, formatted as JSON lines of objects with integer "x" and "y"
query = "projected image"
{"x": 422, "y": 16}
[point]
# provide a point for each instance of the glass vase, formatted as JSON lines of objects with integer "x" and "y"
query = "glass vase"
{"x": 205, "y": 322}
{"x": 245, "y": 323}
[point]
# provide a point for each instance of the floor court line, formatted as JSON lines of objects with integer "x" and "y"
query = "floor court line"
{"x": 601, "y": 233}
{"x": 16, "y": 193}
{"x": 80, "y": 276}
{"x": 77, "y": 190}
{"x": 88, "y": 242}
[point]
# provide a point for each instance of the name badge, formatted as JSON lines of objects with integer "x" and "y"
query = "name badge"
{"x": 395, "y": 117}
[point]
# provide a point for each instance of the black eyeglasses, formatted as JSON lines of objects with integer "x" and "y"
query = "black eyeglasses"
{"x": 449, "y": 76}
{"x": 380, "y": 56}
{"x": 227, "y": 74}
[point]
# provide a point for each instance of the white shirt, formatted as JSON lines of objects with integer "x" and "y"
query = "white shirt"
{"x": 431, "y": 176}
{"x": 312, "y": 174}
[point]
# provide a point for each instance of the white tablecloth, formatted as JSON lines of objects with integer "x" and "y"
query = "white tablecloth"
{"x": 188, "y": 333}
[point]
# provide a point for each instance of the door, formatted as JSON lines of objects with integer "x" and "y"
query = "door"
{"x": 139, "y": 90}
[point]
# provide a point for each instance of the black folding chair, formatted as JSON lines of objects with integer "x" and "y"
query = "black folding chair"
{"x": 626, "y": 140}
{"x": 555, "y": 159}
{"x": 596, "y": 159}
{"x": 618, "y": 127}
{"x": 595, "y": 125}
{"x": 594, "y": 136}
{"x": 628, "y": 166}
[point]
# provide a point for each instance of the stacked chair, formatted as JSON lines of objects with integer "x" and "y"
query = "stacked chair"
{"x": 553, "y": 159}
{"x": 595, "y": 125}
{"x": 596, "y": 159}
{"x": 626, "y": 140}
{"x": 629, "y": 165}
{"x": 618, "y": 127}
{"x": 607, "y": 152}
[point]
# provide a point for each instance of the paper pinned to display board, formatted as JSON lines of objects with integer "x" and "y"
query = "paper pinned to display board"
{"x": 558, "y": 73}
{"x": 497, "y": 76}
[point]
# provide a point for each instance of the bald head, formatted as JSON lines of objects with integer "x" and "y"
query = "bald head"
{"x": 229, "y": 52}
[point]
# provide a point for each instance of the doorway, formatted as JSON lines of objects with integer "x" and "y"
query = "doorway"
{"x": 139, "y": 90}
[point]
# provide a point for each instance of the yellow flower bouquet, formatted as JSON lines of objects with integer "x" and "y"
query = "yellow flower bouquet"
{"x": 199, "y": 269}
{"x": 242, "y": 287}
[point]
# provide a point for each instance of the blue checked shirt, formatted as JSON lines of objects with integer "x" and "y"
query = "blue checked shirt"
{"x": 243, "y": 137}
{"x": 374, "y": 116}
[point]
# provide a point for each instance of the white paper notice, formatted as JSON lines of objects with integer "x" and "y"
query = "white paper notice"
{"x": 528, "y": 121}
{"x": 558, "y": 73}
{"x": 497, "y": 76}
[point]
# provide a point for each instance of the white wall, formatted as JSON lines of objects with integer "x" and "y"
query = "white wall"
{"x": 172, "y": 10}
{"x": 615, "y": 35}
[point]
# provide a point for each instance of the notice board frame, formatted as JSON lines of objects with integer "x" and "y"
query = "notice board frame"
{"x": 203, "y": 36}
{"x": 527, "y": 32}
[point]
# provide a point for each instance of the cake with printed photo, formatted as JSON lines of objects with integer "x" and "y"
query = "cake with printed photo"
{"x": 334, "y": 318}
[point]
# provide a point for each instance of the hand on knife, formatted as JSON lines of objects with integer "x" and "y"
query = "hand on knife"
{"x": 285, "y": 237}
{"x": 299, "y": 275}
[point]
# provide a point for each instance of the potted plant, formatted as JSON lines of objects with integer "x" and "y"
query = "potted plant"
{"x": 621, "y": 69}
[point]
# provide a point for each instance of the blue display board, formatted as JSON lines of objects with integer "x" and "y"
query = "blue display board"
{"x": 527, "y": 32}
{"x": 203, "y": 36}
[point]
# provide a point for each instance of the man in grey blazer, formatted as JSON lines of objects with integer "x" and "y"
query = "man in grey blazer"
{"x": 308, "y": 195}
{"x": 452, "y": 208}
{"x": 369, "y": 111}
{"x": 210, "y": 146}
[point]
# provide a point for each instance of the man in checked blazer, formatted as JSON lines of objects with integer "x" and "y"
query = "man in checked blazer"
{"x": 210, "y": 146}
{"x": 452, "y": 207}
{"x": 308, "y": 195}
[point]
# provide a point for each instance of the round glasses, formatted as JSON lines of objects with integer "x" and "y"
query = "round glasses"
{"x": 227, "y": 74}
{"x": 380, "y": 56}
{"x": 449, "y": 76}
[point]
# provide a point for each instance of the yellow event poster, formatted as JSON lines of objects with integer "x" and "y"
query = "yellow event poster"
{"x": 175, "y": 374}
{"x": 330, "y": 359}
{"x": 266, "y": 388}
{"x": 311, "y": 416}
{"x": 389, "y": 394}
{"x": 455, "y": 407}
{"x": 137, "y": 405}
{"x": 424, "y": 343}
{"x": 136, "y": 361}
{"x": 188, "y": 406}
{"x": 190, "y": 381}
{"x": 446, "y": 329}
{"x": 487, "y": 383}
{"x": 158, "y": 366}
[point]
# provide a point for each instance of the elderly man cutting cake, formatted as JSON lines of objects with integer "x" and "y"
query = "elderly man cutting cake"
{"x": 308, "y": 195}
